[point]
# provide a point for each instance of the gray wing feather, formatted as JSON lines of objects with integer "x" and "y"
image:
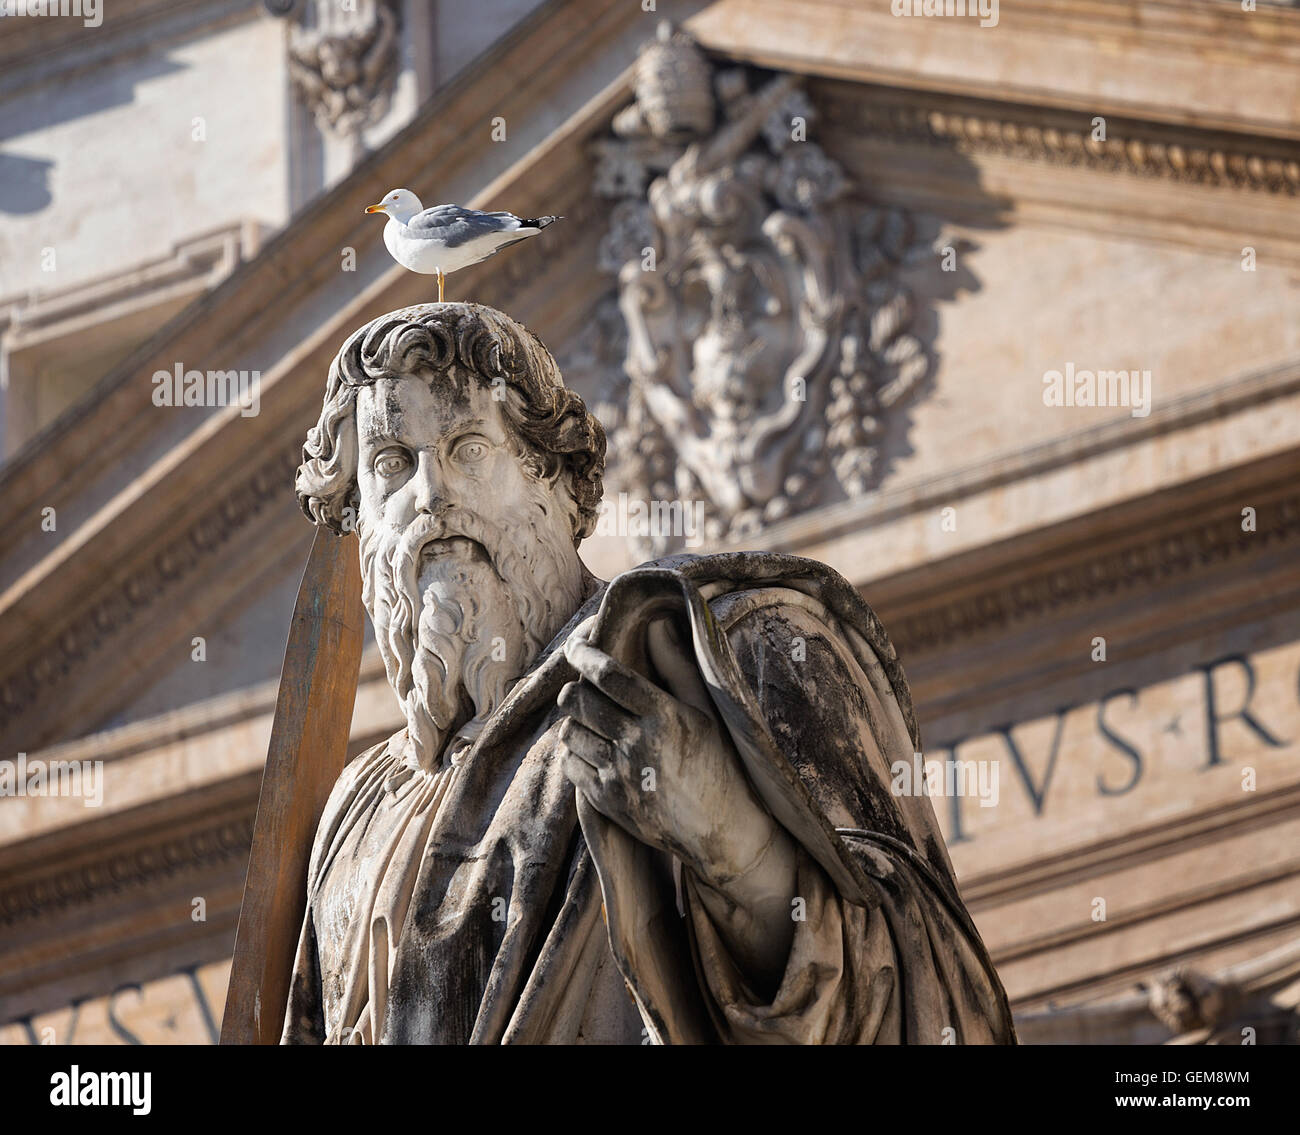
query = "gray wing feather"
{"x": 453, "y": 225}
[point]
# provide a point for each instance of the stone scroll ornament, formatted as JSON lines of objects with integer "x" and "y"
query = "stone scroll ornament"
{"x": 760, "y": 334}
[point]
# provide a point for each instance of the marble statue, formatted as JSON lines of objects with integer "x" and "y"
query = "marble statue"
{"x": 655, "y": 810}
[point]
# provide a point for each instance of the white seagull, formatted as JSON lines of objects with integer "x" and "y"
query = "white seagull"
{"x": 440, "y": 240}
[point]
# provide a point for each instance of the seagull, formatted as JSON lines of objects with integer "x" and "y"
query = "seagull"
{"x": 440, "y": 240}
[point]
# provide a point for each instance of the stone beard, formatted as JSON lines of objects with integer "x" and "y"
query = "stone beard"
{"x": 460, "y": 605}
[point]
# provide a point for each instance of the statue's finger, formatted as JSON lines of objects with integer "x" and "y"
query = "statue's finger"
{"x": 588, "y": 745}
{"x": 599, "y": 712}
{"x": 633, "y": 692}
{"x": 583, "y": 629}
{"x": 580, "y": 774}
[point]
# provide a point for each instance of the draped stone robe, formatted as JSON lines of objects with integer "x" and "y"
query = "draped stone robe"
{"x": 484, "y": 902}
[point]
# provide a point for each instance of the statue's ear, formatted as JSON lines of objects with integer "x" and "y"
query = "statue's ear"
{"x": 549, "y": 469}
{"x": 563, "y": 488}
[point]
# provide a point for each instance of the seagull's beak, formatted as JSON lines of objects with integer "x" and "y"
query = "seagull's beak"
{"x": 374, "y": 208}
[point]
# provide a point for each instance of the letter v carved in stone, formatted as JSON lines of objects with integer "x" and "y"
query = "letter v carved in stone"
{"x": 1037, "y": 793}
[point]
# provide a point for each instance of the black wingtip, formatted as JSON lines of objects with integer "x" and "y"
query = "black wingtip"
{"x": 539, "y": 222}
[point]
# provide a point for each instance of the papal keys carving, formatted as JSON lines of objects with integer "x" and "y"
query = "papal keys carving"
{"x": 760, "y": 334}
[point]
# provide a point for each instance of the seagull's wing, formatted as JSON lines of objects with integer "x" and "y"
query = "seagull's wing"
{"x": 453, "y": 225}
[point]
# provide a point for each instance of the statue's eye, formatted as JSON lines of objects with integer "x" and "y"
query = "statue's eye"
{"x": 391, "y": 463}
{"x": 471, "y": 450}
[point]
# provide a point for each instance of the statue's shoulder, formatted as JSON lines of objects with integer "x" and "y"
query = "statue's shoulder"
{"x": 724, "y": 574}
{"x": 744, "y": 567}
{"x": 346, "y": 786}
{"x": 738, "y": 585}
{"x": 363, "y": 763}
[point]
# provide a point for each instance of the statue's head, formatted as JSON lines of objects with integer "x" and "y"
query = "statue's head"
{"x": 470, "y": 472}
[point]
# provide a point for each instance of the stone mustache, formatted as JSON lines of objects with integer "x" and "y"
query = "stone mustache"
{"x": 674, "y": 785}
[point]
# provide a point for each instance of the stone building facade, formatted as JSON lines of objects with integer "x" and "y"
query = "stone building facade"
{"x": 996, "y": 317}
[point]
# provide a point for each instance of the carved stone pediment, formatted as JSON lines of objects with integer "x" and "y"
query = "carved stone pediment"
{"x": 760, "y": 334}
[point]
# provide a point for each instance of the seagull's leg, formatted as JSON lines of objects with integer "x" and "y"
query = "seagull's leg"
{"x": 441, "y": 278}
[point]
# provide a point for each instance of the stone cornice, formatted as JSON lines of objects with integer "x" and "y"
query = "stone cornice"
{"x": 1086, "y": 935}
{"x": 1112, "y": 1017}
{"x": 191, "y": 267}
{"x": 87, "y": 908}
{"x": 152, "y": 767}
{"x": 1258, "y": 389}
{"x": 1152, "y": 557}
{"x": 991, "y": 163}
{"x": 1048, "y": 873}
{"x": 115, "y": 871}
{"x": 86, "y": 633}
{"x": 1022, "y": 611}
{"x": 1015, "y": 606}
{"x": 184, "y": 724}
{"x": 1178, "y": 154}
{"x": 1195, "y": 62}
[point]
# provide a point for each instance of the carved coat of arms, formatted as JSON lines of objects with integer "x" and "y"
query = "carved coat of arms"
{"x": 760, "y": 332}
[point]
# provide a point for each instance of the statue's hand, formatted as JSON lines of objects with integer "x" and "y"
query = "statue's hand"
{"x": 661, "y": 769}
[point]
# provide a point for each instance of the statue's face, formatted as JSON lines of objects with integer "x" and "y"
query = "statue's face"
{"x": 734, "y": 314}
{"x": 434, "y": 450}
{"x": 467, "y": 552}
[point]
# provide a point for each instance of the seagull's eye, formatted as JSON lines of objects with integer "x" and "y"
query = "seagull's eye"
{"x": 471, "y": 450}
{"x": 391, "y": 463}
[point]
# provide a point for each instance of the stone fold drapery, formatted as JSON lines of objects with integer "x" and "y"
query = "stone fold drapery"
{"x": 502, "y": 937}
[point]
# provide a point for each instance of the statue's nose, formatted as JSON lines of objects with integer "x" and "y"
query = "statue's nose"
{"x": 427, "y": 486}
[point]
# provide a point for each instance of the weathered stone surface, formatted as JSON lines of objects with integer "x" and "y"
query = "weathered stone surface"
{"x": 1071, "y": 522}
{"x": 701, "y": 749}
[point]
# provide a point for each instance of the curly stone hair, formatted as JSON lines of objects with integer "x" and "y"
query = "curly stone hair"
{"x": 448, "y": 342}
